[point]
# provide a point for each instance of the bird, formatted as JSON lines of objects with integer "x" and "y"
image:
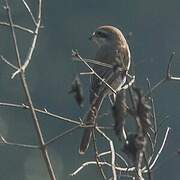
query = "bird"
{"x": 112, "y": 49}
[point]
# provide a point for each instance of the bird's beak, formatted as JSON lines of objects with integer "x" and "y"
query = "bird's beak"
{"x": 92, "y": 36}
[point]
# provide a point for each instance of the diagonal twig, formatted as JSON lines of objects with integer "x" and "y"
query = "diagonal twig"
{"x": 168, "y": 76}
{"x": 160, "y": 150}
{"x": 97, "y": 157}
{"x": 24, "y": 106}
{"x": 33, "y": 44}
{"x": 18, "y": 27}
{"x": 29, "y": 11}
{"x": 112, "y": 153}
{"x": 4, "y": 141}
{"x": 8, "y": 63}
{"x": 75, "y": 54}
{"x": 61, "y": 135}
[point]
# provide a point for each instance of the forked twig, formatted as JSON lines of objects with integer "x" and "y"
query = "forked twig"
{"x": 76, "y": 54}
{"x": 97, "y": 157}
{"x": 33, "y": 44}
{"x": 112, "y": 153}
{"x": 42, "y": 111}
{"x": 161, "y": 148}
{"x": 29, "y": 11}
{"x": 168, "y": 76}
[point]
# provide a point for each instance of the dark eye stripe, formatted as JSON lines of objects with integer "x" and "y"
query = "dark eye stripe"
{"x": 101, "y": 34}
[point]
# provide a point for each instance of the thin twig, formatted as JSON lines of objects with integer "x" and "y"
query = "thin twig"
{"x": 61, "y": 135}
{"x": 162, "y": 81}
{"x": 118, "y": 155}
{"x": 87, "y": 164}
{"x": 97, "y": 157}
{"x": 86, "y": 73}
{"x": 29, "y": 11}
{"x": 18, "y": 27}
{"x": 46, "y": 112}
{"x": 103, "y": 164}
{"x": 24, "y": 106}
{"x": 4, "y": 141}
{"x": 129, "y": 83}
{"x": 32, "y": 47}
{"x": 168, "y": 71}
{"x": 92, "y": 61}
{"x": 168, "y": 76}
{"x": 75, "y": 54}
{"x": 8, "y": 63}
{"x": 31, "y": 50}
{"x": 159, "y": 152}
{"x": 112, "y": 153}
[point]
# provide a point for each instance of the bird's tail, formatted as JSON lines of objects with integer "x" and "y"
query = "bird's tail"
{"x": 90, "y": 121}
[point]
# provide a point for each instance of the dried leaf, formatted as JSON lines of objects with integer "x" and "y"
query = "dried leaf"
{"x": 77, "y": 90}
{"x": 119, "y": 111}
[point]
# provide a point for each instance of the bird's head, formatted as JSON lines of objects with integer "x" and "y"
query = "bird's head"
{"x": 105, "y": 35}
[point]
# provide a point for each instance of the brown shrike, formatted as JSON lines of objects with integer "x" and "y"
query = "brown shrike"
{"x": 113, "y": 50}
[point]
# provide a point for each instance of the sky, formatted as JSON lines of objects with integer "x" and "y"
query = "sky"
{"x": 66, "y": 25}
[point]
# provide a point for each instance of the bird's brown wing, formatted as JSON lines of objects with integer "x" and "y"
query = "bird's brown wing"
{"x": 110, "y": 56}
{"x": 96, "y": 83}
{"x": 114, "y": 77}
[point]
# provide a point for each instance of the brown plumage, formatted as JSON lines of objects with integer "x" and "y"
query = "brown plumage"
{"x": 112, "y": 49}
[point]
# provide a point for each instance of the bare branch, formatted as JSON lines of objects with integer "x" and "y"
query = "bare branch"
{"x": 61, "y": 135}
{"x": 168, "y": 75}
{"x": 118, "y": 155}
{"x": 92, "y": 61}
{"x": 129, "y": 83}
{"x": 23, "y": 106}
{"x": 97, "y": 157}
{"x": 112, "y": 153}
{"x": 8, "y": 63}
{"x": 4, "y": 141}
{"x": 18, "y": 27}
{"x": 86, "y": 73}
{"x": 32, "y": 47}
{"x": 75, "y": 54}
{"x": 125, "y": 170}
{"x": 29, "y": 11}
{"x": 168, "y": 72}
{"x": 160, "y": 150}
{"x": 86, "y": 164}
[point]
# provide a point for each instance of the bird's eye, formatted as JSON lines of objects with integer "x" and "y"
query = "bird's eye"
{"x": 101, "y": 34}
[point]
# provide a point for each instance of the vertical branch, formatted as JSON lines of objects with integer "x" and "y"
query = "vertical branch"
{"x": 113, "y": 166}
{"x": 34, "y": 40}
{"x": 36, "y": 32}
{"x": 27, "y": 93}
{"x": 97, "y": 157}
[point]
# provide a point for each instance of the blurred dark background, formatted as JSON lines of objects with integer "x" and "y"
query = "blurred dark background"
{"x": 67, "y": 25}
